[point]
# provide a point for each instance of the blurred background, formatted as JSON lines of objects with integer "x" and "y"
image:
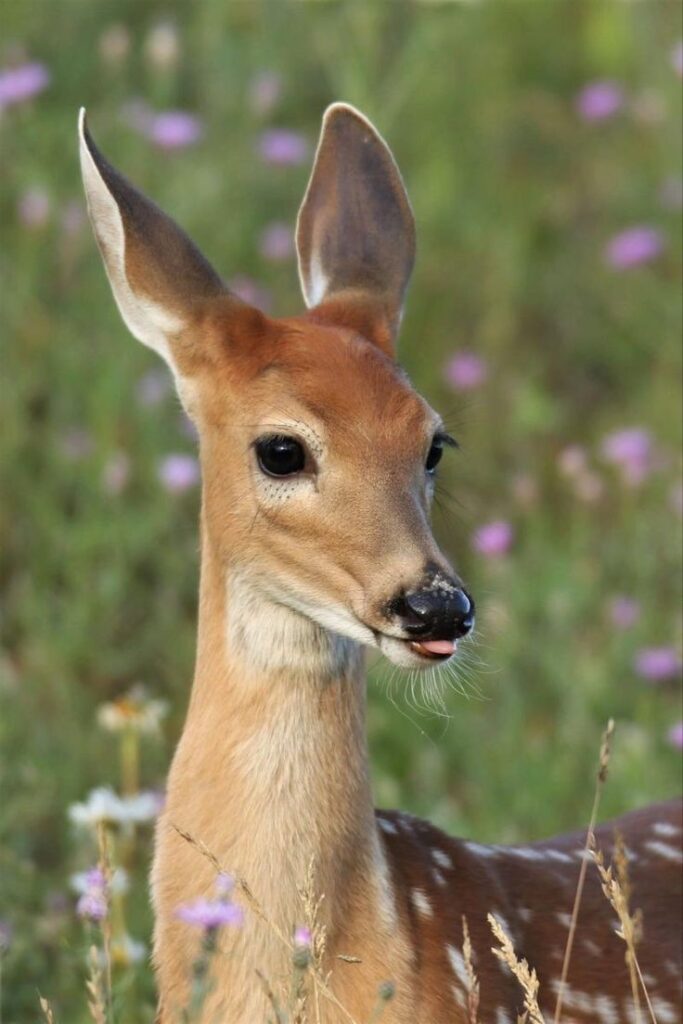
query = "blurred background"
{"x": 541, "y": 147}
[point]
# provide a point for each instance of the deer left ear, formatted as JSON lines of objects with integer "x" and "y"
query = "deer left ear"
{"x": 162, "y": 284}
{"x": 355, "y": 233}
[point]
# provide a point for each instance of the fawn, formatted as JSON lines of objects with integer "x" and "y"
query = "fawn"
{"x": 318, "y": 462}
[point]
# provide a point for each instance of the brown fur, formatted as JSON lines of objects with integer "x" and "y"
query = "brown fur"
{"x": 272, "y": 767}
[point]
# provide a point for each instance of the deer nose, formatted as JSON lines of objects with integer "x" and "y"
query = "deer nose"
{"x": 435, "y": 614}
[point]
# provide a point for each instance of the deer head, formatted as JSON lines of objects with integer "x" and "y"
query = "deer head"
{"x": 318, "y": 456}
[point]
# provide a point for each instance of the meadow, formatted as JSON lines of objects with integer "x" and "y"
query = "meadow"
{"x": 541, "y": 148}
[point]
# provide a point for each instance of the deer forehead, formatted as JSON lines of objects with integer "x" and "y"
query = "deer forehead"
{"x": 330, "y": 385}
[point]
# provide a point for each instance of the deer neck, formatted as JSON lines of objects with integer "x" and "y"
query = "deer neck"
{"x": 273, "y": 765}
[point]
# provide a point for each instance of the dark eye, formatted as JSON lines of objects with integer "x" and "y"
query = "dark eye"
{"x": 434, "y": 456}
{"x": 280, "y": 456}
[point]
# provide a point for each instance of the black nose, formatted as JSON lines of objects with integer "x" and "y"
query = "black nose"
{"x": 443, "y": 613}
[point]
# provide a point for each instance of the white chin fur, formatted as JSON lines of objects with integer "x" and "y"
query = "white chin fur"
{"x": 399, "y": 653}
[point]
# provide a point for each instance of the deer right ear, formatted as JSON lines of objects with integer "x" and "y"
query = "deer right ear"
{"x": 356, "y": 232}
{"x": 162, "y": 284}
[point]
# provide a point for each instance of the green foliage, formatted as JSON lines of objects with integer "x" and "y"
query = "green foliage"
{"x": 516, "y": 197}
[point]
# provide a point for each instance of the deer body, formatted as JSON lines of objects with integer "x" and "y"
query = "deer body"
{"x": 317, "y": 462}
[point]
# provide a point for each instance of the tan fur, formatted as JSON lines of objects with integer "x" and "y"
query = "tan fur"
{"x": 271, "y": 772}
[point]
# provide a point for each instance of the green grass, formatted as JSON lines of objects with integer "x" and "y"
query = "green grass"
{"x": 515, "y": 199}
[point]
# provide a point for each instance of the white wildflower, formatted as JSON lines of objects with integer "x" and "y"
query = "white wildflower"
{"x": 135, "y": 711}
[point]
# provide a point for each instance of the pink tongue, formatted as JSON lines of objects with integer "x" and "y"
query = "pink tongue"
{"x": 438, "y": 646}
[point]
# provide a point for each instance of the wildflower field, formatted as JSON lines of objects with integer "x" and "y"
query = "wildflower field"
{"x": 541, "y": 148}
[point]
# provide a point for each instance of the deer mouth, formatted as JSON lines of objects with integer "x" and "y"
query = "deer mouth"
{"x": 435, "y": 650}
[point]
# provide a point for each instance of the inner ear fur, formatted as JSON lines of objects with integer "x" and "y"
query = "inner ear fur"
{"x": 356, "y": 231}
{"x": 164, "y": 287}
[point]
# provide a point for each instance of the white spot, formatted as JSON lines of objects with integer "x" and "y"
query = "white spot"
{"x": 459, "y": 996}
{"x": 525, "y": 914}
{"x": 526, "y": 853}
{"x": 664, "y": 850}
{"x": 606, "y": 1010}
{"x": 502, "y": 1016}
{"x": 442, "y": 859}
{"x": 558, "y": 856}
{"x": 438, "y": 877}
{"x": 665, "y": 828}
{"x": 458, "y": 965}
{"x": 421, "y": 903}
{"x": 482, "y": 851}
{"x": 664, "y": 1012}
{"x": 591, "y": 947}
{"x": 564, "y": 919}
{"x": 388, "y": 826}
{"x": 383, "y": 882}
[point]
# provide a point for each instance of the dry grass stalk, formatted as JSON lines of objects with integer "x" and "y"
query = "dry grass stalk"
{"x": 280, "y": 1015}
{"x": 525, "y": 975}
{"x": 320, "y": 981}
{"x": 96, "y": 988}
{"x": 617, "y": 889}
{"x": 600, "y": 779}
{"x": 472, "y": 980}
{"x": 106, "y": 869}
{"x": 47, "y": 1010}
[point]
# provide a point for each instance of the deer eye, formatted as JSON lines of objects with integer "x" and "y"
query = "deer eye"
{"x": 279, "y": 455}
{"x": 434, "y": 455}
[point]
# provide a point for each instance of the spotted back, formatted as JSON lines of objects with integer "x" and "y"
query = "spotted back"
{"x": 530, "y": 889}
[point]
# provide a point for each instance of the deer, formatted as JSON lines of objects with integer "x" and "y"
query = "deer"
{"x": 318, "y": 463}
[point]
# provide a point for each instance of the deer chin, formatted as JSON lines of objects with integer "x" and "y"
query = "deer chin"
{"x": 415, "y": 654}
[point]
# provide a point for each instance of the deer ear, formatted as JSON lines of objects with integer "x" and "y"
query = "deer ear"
{"x": 356, "y": 233}
{"x": 162, "y": 284}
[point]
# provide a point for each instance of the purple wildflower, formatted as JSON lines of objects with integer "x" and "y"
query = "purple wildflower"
{"x": 153, "y": 387}
{"x": 634, "y": 247}
{"x": 572, "y": 461}
{"x": 187, "y": 428}
{"x": 76, "y": 444}
{"x": 116, "y": 473}
{"x": 657, "y": 664}
{"x": 225, "y": 883}
{"x": 174, "y": 129}
{"x": 493, "y": 540}
{"x": 675, "y": 735}
{"x": 249, "y": 291}
{"x": 283, "y": 147}
{"x": 178, "y": 473}
{"x": 276, "y": 242}
{"x": 624, "y": 611}
{"x": 93, "y": 902}
{"x": 466, "y": 371}
{"x": 72, "y": 217}
{"x": 303, "y": 937}
{"x": 677, "y": 58}
{"x": 6, "y": 935}
{"x": 34, "y": 208}
{"x": 22, "y": 83}
{"x": 210, "y": 913}
{"x": 265, "y": 89}
{"x": 599, "y": 101}
{"x": 631, "y": 451}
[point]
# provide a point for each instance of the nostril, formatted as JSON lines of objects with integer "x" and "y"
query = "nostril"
{"x": 416, "y": 610}
{"x": 464, "y": 612}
